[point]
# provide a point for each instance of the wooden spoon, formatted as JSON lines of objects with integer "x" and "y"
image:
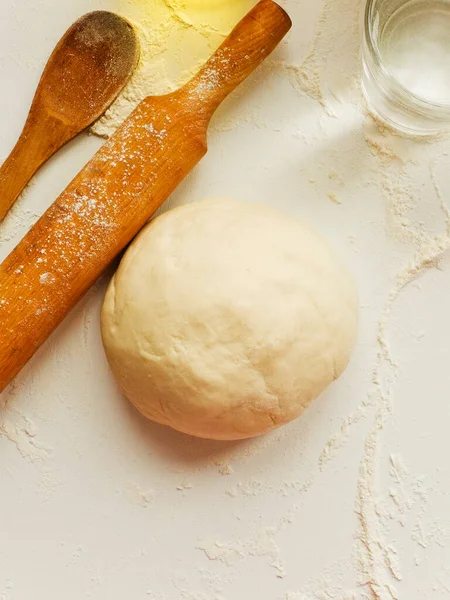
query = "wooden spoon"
{"x": 88, "y": 68}
{"x": 116, "y": 193}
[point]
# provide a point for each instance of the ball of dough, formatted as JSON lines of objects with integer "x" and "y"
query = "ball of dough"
{"x": 226, "y": 319}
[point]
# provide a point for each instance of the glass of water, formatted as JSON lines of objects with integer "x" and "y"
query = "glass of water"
{"x": 406, "y": 63}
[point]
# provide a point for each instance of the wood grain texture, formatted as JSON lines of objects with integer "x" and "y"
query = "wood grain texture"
{"x": 85, "y": 73}
{"x": 113, "y": 197}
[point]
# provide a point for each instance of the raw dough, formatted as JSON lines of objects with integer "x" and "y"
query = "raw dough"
{"x": 226, "y": 319}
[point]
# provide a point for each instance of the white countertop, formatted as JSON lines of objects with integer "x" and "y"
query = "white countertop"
{"x": 349, "y": 502}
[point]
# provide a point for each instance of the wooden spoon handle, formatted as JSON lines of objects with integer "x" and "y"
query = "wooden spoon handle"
{"x": 41, "y": 137}
{"x": 249, "y": 44}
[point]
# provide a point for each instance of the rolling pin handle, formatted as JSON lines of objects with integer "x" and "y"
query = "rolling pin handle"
{"x": 250, "y": 43}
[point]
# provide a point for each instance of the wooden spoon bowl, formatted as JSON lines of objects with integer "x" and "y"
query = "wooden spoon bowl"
{"x": 84, "y": 75}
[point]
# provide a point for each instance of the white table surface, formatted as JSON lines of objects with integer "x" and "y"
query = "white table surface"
{"x": 349, "y": 502}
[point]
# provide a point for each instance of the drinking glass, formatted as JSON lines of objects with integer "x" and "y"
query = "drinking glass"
{"x": 406, "y": 63}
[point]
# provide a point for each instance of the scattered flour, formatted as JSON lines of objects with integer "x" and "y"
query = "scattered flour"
{"x": 136, "y": 495}
{"x": 21, "y": 431}
{"x": 332, "y": 196}
{"x": 331, "y": 585}
{"x": 49, "y": 485}
{"x": 261, "y": 545}
{"x": 18, "y": 220}
{"x": 320, "y": 76}
{"x": 339, "y": 439}
{"x": 378, "y": 559}
{"x": 177, "y": 38}
{"x": 184, "y": 485}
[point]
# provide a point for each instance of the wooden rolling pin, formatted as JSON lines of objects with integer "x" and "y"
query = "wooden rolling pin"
{"x": 113, "y": 197}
